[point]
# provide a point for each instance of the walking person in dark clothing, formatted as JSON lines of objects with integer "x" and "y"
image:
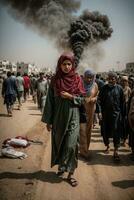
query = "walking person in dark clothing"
{"x": 9, "y": 91}
{"x": 97, "y": 114}
{"x": 99, "y": 82}
{"x": 111, "y": 100}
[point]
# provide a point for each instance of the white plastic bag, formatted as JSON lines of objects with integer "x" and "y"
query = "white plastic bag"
{"x": 11, "y": 153}
{"x": 17, "y": 142}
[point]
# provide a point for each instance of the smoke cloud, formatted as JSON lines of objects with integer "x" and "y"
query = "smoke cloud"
{"x": 55, "y": 19}
{"x": 91, "y": 58}
{"x": 91, "y": 27}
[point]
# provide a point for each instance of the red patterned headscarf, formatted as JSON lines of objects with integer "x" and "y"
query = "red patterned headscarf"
{"x": 69, "y": 82}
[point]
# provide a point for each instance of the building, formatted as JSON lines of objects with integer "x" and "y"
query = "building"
{"x": 6, "y": 66}
{"x": 130, "y": 68}
{"x": 27, "y": 68}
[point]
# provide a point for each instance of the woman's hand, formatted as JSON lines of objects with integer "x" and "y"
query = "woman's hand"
{"x": 93, "y": 100}
{"x": 49, "y": 127}
{"x": 66, "y": 95}
{"x": 87, "y": 99}
{"x": 90, "y": 99}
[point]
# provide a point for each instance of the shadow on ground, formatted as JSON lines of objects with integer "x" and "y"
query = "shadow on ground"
{"x": 35, "y": 114}
{"x": 123, "y": 184}
{"x": 4, "y": 115}
{"x": 50, "y": 177}
{"x": 98, "y": 157}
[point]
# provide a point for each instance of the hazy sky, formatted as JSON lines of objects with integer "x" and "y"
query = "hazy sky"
{"x": 20, "y": 43}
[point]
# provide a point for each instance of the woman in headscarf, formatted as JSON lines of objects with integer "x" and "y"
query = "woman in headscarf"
{"x": 89, "y": 106}
{"x": 61, "y": 114}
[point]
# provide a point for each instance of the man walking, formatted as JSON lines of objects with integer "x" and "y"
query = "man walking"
{"x": 111, "y": 99}
{"x": 9, "y": 91}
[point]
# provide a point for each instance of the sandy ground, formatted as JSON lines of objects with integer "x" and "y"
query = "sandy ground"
{"x": 99, "y": 177}
{"x": 18, "y": 177}
{"x": 33, "y": 179}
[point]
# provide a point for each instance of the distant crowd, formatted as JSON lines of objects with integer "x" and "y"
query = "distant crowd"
{"x": 20, "y": 87}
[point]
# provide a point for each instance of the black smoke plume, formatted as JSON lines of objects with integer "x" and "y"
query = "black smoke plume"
{"x": 91, "y": 27}
{"x": 55, "y": 19}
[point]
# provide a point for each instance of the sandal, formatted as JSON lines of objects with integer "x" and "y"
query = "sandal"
{"x": 72, "y": 181}
{"x": 116, "y": 157}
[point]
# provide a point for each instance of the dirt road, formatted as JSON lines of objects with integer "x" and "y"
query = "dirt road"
{"x": 21, "y": 122}
{"x": 99, "y": 178}
{"x": 17, "y": 176}
{"x": 33, "y": 179}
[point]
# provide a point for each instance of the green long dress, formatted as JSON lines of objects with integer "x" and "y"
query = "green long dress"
{"x": 63, "y": 114}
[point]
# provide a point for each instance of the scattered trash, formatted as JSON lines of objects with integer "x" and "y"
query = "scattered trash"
{"x": 9, "y": 152}
{"x": 15, "y": 142}
{"x": 20, "y": 141}
{"x": 10, "y": 143}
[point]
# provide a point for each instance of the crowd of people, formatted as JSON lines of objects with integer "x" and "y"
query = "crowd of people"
{"x": 21, "y": 87}
{"x": 71, "y": 105}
